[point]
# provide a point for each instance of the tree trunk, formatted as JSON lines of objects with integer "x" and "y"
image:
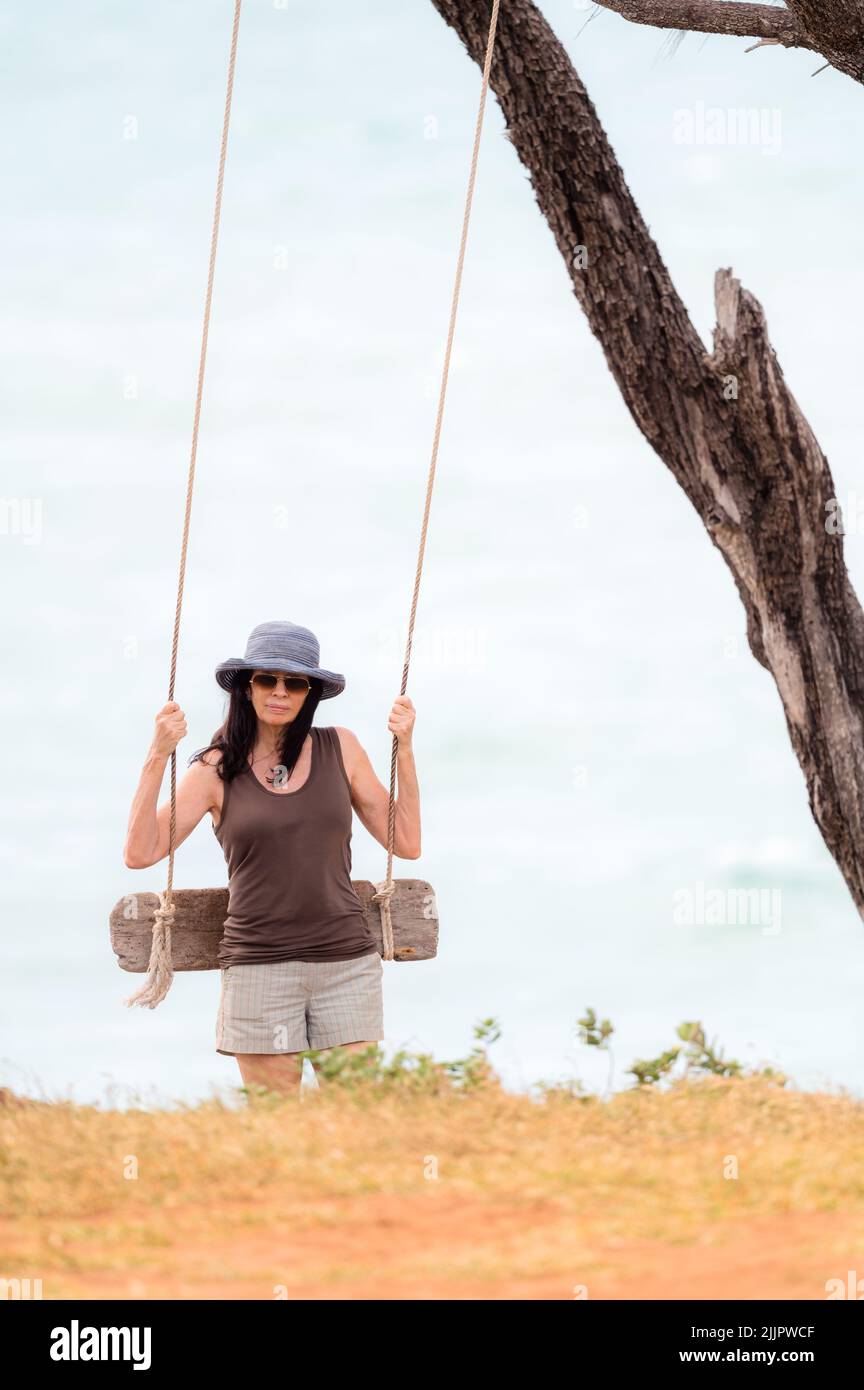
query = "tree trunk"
{"x": 725, "y": 423}
{"x": 836, "y": 30}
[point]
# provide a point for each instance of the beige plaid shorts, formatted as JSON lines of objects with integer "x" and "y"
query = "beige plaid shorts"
{"x": 295, "y": 1005}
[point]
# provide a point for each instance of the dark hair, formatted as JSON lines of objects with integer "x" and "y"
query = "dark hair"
{"x": 235, "y": 738}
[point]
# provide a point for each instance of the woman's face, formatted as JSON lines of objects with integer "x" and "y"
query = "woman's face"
{"x": 280, "y": 704}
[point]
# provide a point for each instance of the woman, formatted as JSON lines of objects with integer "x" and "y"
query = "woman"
{"x": 300, "y": 967}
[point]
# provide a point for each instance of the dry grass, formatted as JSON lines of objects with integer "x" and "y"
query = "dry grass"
{"x": 483, "y": 1194}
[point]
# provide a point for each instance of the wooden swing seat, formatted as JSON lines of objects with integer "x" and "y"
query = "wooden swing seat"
{"x": 200, "y": 918}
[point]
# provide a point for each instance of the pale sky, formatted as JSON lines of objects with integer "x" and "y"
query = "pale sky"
{"x": 593, "y": 736}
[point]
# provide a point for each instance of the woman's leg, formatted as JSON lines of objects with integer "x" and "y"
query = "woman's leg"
{"x": 281, "y": 1072}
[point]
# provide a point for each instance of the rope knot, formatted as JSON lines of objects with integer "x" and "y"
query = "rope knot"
{"x": 160, "y": 971}
{"x": 164, "y": 915}
{"x": 384, "y": 892}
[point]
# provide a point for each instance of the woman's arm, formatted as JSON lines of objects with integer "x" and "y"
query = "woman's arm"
{"x": 370, "y": 798}
{"x": 148, "y": 829}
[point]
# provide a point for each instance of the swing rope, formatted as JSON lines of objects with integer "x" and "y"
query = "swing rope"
{"x": 160, "y": 969}
{"x": 386, "y": 888}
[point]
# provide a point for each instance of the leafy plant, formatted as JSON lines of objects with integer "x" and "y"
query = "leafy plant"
{"x": 368, "y": 1070}
{"x": 698, "y": 1055}
{"x": 597, "y": 1034}
{"x": 650, "y": 1072}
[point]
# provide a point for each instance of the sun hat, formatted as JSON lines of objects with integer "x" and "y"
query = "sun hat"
{"x": 280, "y": 646}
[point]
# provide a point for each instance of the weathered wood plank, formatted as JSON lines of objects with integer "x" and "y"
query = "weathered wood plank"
{"x": 201, "y": 912}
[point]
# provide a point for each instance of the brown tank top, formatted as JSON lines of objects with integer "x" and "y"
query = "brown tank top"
{"x": 290, "y": 895}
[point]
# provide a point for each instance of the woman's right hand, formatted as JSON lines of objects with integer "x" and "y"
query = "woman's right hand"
{"x": 170, "y": 728}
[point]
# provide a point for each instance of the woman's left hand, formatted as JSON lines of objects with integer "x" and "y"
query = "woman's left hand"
{"x": 401, "y": 721}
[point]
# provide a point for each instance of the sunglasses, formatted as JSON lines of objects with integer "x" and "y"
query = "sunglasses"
{"x": 294, "y": 685}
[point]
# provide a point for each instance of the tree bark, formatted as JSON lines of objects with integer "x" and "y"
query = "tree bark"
{"x": 834, "y": 28}
{"x": 725, "y": 423}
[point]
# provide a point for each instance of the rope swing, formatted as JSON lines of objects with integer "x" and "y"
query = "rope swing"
{"x": 160, "y": 971}
{"x": 385, "y": 889}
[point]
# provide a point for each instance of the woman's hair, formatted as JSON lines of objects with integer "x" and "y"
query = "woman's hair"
{"x": 235, "y": 738}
